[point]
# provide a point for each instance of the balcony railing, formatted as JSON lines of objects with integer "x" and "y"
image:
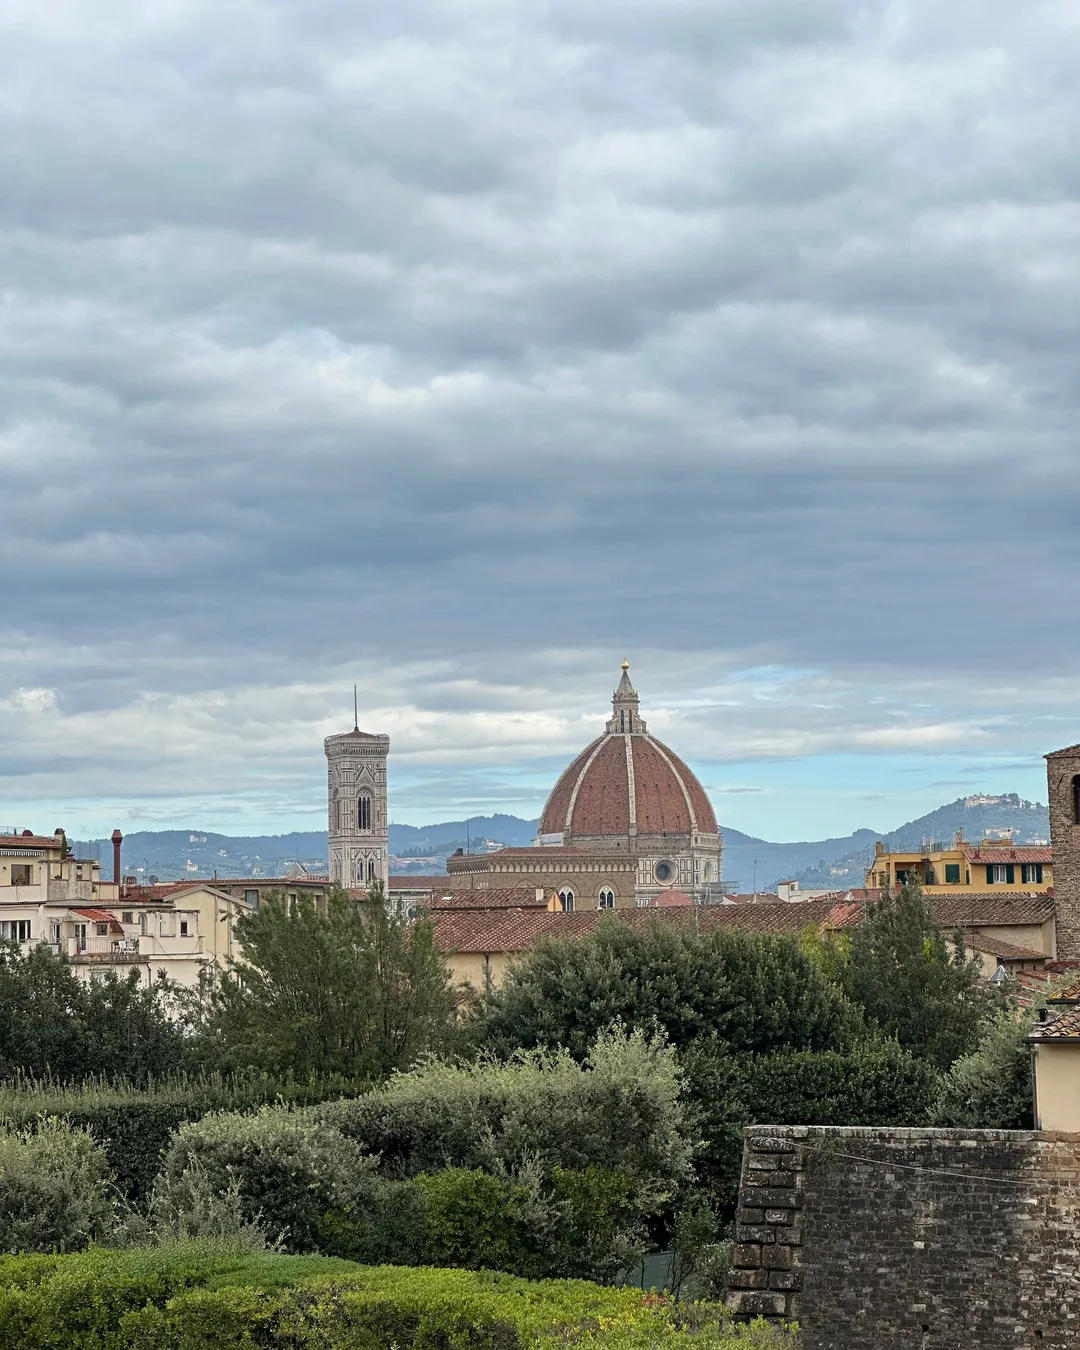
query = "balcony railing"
{"x": 103, "y": 949}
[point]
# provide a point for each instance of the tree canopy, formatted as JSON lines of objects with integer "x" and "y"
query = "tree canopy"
{"x": 337, "y": 989}
{"x": 754, "y": 993}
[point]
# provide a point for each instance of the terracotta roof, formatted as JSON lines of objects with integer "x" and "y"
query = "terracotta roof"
{"x": 1068, "y": 993}
{"x": 592, "y": 797}
{"x": 990, "y": 907}
{"x": 1006, "y": 854}
{"x": 101, "y": 916}
{"x": 29, "y": 841}
{"x": 1068, "y": 750}
{"x": 671, "y": 900}
{"x": 403, "y": 882}
{"x": 554, "y": 851}
{"x": 1063, "y": 1028}
{"x": 516, "y": 897}
{"x": 1007, "y": 951}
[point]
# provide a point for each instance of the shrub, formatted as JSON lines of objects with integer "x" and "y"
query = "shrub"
{"x": 134, "y": 1125}
{"x": 289, "y": 1166}
{"x": 56, "y": 1191}
{"x": 990, "y": 1089}
{"x": 621, "y": 1110}
{"x": 196, "y": 1296}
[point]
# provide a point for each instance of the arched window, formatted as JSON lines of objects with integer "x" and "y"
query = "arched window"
{"x": 606, "y": 898}
{"x": 360, "y": 870}
{"x": 371, "y": 869}
{"x": 566, "y": 896}
{"x": 1076, "y": 800}
{"x": 363, "y": 812}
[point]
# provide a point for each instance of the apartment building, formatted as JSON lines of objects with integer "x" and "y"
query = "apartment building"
{"x": 960, "y": 868}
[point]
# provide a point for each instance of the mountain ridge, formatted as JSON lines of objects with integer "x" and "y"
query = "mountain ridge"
{"x": 749, "y": 862}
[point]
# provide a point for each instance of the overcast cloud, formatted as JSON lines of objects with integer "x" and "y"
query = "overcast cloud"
{"x": 462, "y": 349}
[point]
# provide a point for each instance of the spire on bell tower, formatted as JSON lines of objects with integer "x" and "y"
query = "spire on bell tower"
{"x": 624, "y": 706}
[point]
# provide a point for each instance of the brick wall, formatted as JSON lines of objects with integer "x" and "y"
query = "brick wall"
{"x": 877, "y": 1239}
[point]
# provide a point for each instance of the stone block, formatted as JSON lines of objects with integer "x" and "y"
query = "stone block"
{"x": 754, "y": 1232}
{"x": 748, "y": 1279}
{"x": 746, "y": 1254}
{"x": 770, "y": 1197}
{"x": 749, "y": 1215}
{"x": 751, "y": 1303}
{"x": 776, "y": 1257}
{"x": 790, "y": 1281}
{"x": 779, "y": 1215}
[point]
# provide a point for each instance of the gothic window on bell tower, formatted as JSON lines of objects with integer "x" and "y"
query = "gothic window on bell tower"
{"x": 363, "y": 812}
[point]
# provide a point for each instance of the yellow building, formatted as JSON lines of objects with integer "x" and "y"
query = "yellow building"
{"x": 995, "y": 865}
{"x": 1055, "y": 1045}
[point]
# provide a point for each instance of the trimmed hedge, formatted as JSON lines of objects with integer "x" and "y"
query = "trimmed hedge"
{"x": 201, "y": 1296}
{"x": 134, "y": 1125}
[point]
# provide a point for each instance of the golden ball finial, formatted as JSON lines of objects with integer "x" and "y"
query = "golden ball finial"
{"x": 626, "y": 665}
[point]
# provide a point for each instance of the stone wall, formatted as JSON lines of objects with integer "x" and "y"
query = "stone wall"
{"x": 877, "y": 1239}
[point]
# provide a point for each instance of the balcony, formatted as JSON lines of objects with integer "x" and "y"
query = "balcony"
{"x": 103, "y": 949}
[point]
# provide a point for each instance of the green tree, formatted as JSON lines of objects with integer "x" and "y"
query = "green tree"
{"x": 54, "y": 1024}
{"x": 344, "y": 989}
{"x": 911, "y": 986}
{"x": 753, "y": 993}
{"x": 990, "y": 1089}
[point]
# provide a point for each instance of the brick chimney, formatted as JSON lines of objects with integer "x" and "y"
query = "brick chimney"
{"x": 117, "y": 840}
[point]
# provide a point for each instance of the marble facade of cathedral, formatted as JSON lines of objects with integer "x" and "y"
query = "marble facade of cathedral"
{"x": 627, "y": 824}
{"x": 357, "y": 808}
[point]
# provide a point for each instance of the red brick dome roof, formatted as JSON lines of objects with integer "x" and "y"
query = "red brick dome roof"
{"x": 594, "y": 797}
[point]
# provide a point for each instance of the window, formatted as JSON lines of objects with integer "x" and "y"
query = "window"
{"x": 1076, "y": 799}
{"x": 184, "y": 925}
{"x": 1000, "y": 874}
{"x": 371, "y": 869}
{"x": 126, "y": 916}
{"x": 101, "y": 929}
{"x": 1031, "y": 873}
{"x": 952, "y": 874}
{"x": 606, "y": 899}
{"x": 566, "y": 896}
{"x": 167, "y": 925}
{"x": 901, "y": 876}
{"x": 663, "y": 871}
{"x": 363, "y": 812}
{"x": 251, "y": 898}
{"x": 15, "y": 930}
{"x": 21, "y": 874}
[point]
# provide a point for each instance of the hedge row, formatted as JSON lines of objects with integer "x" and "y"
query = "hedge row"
{"x": 134, "y": 1125}
{"x": 205, "y": 1296}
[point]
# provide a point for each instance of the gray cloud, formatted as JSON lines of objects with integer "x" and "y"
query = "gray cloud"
{"x": 445, "y": 338}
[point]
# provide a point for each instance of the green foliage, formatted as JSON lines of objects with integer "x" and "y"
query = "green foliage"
{"x": 472, "y": 1219}
{"x": 56, "y": 1190}
{"x": 620, "y": 1110}
{"x": 194, "y": 1204}
{"x": 873, "y": 1083}
{"x": 201, "y": 1295}
{"x": 348, "y": 991}
{"x": 990, "y": 1089}
{"x": 52, "y": 1024}
{"x": 901, "y": 972}
{"x": 289, "y": 1167}
{"x": 134, "y": 1125}
{"x": 754, "y": 993}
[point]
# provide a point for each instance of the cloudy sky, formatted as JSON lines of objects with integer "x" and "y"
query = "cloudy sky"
{"x": 462, "y": 349}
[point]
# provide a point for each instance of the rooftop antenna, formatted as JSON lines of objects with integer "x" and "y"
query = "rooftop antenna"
{"x": 355, "y": 712}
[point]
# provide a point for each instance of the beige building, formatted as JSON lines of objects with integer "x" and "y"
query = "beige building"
{"x": 1055, "y": 1048}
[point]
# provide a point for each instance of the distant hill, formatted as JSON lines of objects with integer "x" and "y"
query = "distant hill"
{"x": 175, "y": 854}
{"x": 975, "y": 816}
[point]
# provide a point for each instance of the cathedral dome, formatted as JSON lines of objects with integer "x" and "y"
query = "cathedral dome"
{"x": 627, "y": 783}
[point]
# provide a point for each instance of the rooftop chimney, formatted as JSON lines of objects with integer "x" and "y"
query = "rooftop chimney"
{"x": 117, "y": 840}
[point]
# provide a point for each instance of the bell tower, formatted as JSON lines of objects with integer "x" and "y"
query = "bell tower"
{"x": 1063, "y": 795}
{"x": 357, "y": 807}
